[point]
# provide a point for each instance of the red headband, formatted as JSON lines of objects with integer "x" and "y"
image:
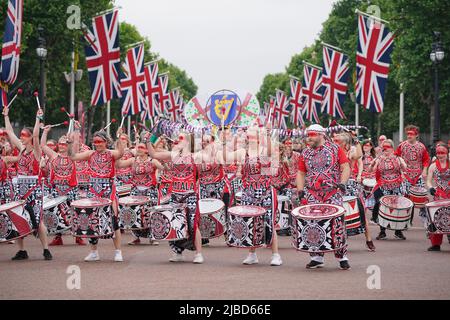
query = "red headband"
{"x": 414, "y": 131}
{"x": 441, "y": 149}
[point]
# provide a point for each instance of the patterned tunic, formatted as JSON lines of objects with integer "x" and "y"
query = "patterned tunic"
{"x": 63, "y": 178}
{"x": 123, "y": 175}
{"x": 367, "y": 160}
{"x": 441, "y": 178}
{"x": 416, "y": 157}
{"x": 389, "y": 173}
{"x": 323, "y": 173}
{"x": 102, "y": 172}
{"x": 82, "y": 168}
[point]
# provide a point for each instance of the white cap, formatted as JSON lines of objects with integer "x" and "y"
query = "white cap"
{"x": 316, "y": 128}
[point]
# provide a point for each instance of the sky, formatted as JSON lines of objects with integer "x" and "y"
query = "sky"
{"x": 227, "y": 44}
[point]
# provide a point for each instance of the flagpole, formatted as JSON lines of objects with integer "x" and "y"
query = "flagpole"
{"x": 370, "y": 16}
{"x": 106, "y": 11}
{"x": 402, "y": 114}
{"x": 312, "y": 65}
{"x": 108, "y": 116}
{"x": 356, "y": 116}
{"x": 129, "y": 127}
{"x": 134, "y": 44}
{"x": 332, "y": 47}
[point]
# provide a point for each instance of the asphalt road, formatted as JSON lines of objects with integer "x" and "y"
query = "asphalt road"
{"x": 407, "y": 271}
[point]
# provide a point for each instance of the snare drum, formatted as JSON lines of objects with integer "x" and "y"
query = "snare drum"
{"x": 92, "y": 218}
{"x": 419, "y": 196}
{"x": 395, "y": 212}
{"x": 353, "y": 223}
{"x": 124, "y": 191}
{"x": 369, "y": 184}
{"x": 56, "y": 216}
{"x": 15, "y": 222}
{"x": 319, "y": 228}
{"x": 213, "y": 222}
{"x": 168, "y": 222}
{"x": 439, "y": 216}
{"x": 282, "y": 217}
{"x": 246, "y": 227}
{"x": 133, "y": 211}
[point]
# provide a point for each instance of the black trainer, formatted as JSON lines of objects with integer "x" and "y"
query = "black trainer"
{"x": 370, "y": 246}
{"x": 381, "y": 236}
{"x": 20, "y": 255}
{"x": 434, "y": 248}
{"x": 344, "y": 265}
{"x": 47, "y": 255}
{"x": 399, "y": 235}
{"x": 314, "y": 265}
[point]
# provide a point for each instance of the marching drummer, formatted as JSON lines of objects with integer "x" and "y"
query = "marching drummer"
{"x": 439, "y": 176}
{"x": 28, "y": 185}
{"x": 388, "y": 169}
{"x": 62, "y": 175}
{"x": 323, "y": 172}
{"x": 143, "y": 179}
{"x": 101, "y": 181}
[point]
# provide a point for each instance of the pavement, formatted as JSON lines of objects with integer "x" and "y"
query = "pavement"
{"x": 397, "y": 270}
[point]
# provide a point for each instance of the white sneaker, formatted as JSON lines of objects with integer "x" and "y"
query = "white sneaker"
{"x": 154, "y": 243}
{"x": 198, "y": 259}
{"x": 92, "y": 256}
{"x": 118, "y": 256}
{"x": 276, "y": 260}
{"x": 251, "y": 259}
{"x": 177, "y": 257}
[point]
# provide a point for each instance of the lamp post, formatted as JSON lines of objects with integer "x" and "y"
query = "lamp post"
{"x": 41, "y": 51}
{"x": 436, "y": 56}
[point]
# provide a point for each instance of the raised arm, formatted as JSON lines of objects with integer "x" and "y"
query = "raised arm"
{"x": 119, "y": 151}
{"x": 49, "y": 152}
{"x": 158, "y": 155}
{"x": 9, "y": 129}
{"x": 158, "y": 164}
{"x": 124, "y": 163}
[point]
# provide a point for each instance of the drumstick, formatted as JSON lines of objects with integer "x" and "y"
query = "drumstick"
{"x": 123, "y": 119}
{"x": 65, "y": 123}
{"x": 109, "y": 124}
{"x": 36, "y": 95}
{"x": 19, "y": 91}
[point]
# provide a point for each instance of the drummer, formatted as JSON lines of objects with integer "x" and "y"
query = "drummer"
{"x": 354, "y": 188}
{"x": 388, "y": 169}
{"x": 101, "y": 181}
{"x": 123, "y": 175}
{"x": 143, "y": 180}
{"x": 323, "y": 172}
{"x": 183, "y": 190}
{"x": 379, "y": 148}
{"x": 438, "y": 182}
{"x": 417, "y": 161}
{"x": 28, "y": 186}
{"x": 62, "y": 175}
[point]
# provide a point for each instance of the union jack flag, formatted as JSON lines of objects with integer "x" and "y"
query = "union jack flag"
{"x": 296, "y": 102}
{"x": 270, "y": 116}
{"x": 151, "y": 89}
{"x": 174, "y": 107}
{"x": 133, "y": 82}
{"x": 375, "y": 46}
{"x": 283, "y": 109}
{"x": 103, "y": 58}
{"x": 163, "y": 92}
{"x": 12, "y": 40}
{"x": 312, "y": 92}
{"x": 335, "y": 76}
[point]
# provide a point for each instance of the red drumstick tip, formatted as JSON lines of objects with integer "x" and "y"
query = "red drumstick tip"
{"x": 66, "y": 123}
{"x": 113, "y": 120}
{"x": 19, "y": 91}
{"x": 62, "y": 109}
{"x": 133, "y": 123}
{"x": 71, "y": 116}
{"x": 36, "y": 94}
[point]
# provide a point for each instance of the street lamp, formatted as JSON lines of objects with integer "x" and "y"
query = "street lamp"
{"x": 436, "y": 56}
{"x": 41, "y": 52}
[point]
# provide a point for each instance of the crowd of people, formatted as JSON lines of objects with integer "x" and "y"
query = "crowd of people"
{"x": 246, "y": 167}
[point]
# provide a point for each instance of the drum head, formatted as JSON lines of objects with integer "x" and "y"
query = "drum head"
{"x": 371, "y": 183}
{"x": 167, "y": 207}
{"x": 11, "y": 205}
{"x": 247, "y": 211}
{"x": 53, "y": 202}
{"x": 436, "y": 204}
{"x": 319, "y": 211}
{"x": 418, "y": 190}
{"x": 91, "y": 203}
{"x": 133, "y": 200}
{"x": 396, "y": 202}
{"x": 208, "y": 206}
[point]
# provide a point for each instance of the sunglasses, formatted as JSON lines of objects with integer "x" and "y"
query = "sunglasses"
{"x": 25, "y": 135}
{"x": 142, "y": 148}
{"x": 441, "y": 153}
{"x": 387, "y": 148}
{"x": 367, "y": 145}
{"x": 98, "y": 141}
{"x": 63, "y": 144}
{"x": 51, "y": 145}
{"x": 312, "y": 134}
{"x": 3, "y": 134}
{"x": 123, "y": 139}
